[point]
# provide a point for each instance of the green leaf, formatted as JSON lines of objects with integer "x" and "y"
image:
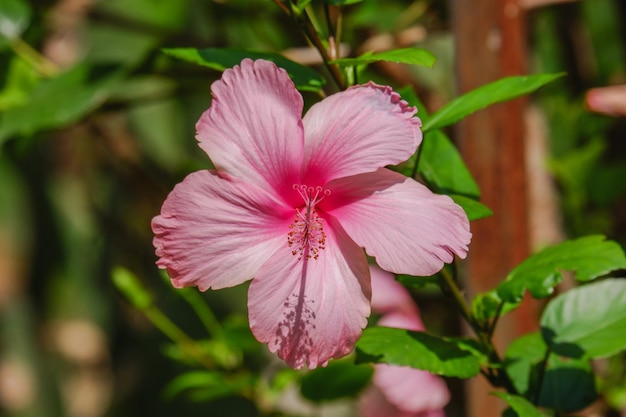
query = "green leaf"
{"x": 408, "y": 94}
{"x": 589, "y": 257}
{"x": 59, "y": 101}
{"x": 305, "y": 78}
{"x": 337, "y": 380}
{"x": 440, "y": 162}
{"x": 473, "y": 346}
{"x": 300, "y": 6}
{"x": 413, "y": 56}
{"x": 236, "y": 334}
{"x": 417, "y": 350}
{"x": 568, "y": 385}
{"x": 411, "y": 281}
{"x": 486, "y": 95}
{"x": 474, "y": 209}
{"x": 20, "y": 80}
{"x": 442, "y": 166}
{"x": 207, "y": 385}
{"x": 342, "y": 2}
{"x": 520, "y": 358}
{"x": 14, "y": 18}
{"x": 485, "y": 306}
{"x": 520, "y": 405}
{"x": 588, "y": 321}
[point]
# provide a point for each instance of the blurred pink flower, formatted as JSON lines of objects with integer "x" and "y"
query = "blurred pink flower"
{"x": 610, "y": 100}
{"x": 293, "y": 201}
{"x": 400, "y": 391}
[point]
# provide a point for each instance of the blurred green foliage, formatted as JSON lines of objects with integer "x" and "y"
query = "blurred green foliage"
{"x": 97, "y": 125}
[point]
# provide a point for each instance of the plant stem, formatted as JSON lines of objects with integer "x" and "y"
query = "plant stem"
{"x": 303, "y": 20}
{"x": 313, "y": 37}
{"x": 542, "y": 373}
{"x": 417, "y": 160}
{"x": 43, "y": 65}
{"x": 176, "y": 335}
{"x": 453, "y": 289}
{"x": 203, "y": 311}
{"x": 497, "y": 376}
{"x": 492, "y": 326}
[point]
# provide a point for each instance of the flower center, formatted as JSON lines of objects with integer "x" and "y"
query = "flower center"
{"x": 307, "y": 237}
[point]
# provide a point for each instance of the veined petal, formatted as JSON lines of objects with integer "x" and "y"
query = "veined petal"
{"x": 311, "y": 310}
{"x": 215, "y": 232}
{"x": 409, "y": 229}
{"x": 253, "y": 129}
{"x": 358, "y": 130}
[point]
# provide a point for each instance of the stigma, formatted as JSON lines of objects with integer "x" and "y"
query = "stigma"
{"x": 306, "y": 236}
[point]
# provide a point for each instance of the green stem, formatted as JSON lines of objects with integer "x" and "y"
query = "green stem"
{"x": 542, "y": 372}
{"x": 497, "y": 376}
{"x": 334, "y": 70}
{"x": 492, "y": 326}
{"x": 310, "y": 32}
{"x": 203, "y": 311}
{"x": 454, "y": 291}
{"x": 417, "y": 160}
{"x": 176, "y": 335}
{"x": 44, "y": 66}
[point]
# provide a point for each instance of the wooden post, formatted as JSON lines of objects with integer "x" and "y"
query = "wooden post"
{"x": 490, "y": 44}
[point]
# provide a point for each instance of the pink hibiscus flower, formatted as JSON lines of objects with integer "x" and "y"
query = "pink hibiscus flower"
{"x": 293, "y": 201}
{"x": 399, "y": 391}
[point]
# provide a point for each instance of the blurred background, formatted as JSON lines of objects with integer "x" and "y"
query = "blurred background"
{"x": 97, "y": 126}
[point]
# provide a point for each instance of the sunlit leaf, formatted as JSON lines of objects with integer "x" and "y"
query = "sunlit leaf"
{"x": 413, "y": 56}
{"x": 416, "y": 350}
{"x": 337, "y": 380}
{"x": 486, "y": 95}
{"x": 589, "y": 257}
{"x": 520, "y": 405}
{"x": 305, "y": 78}
{"x": 588, "y": 321}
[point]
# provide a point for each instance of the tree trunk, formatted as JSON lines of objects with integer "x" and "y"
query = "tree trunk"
{"x": 490, "y": 44}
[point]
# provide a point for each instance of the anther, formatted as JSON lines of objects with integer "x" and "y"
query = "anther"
{"x": 306, "y": 236}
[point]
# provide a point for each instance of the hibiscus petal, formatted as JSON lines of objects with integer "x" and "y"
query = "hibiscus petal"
{"x": 311, "y": 310}
{"x": 409, "y": 229}
{"x": 358, "y": 130}
{"x": 389, "y": 296}
{"x": 253, "y": 129}
{"x": 401, "y": 319}
{"x": 215, "y": 232}
{"x": 411, "y": 389}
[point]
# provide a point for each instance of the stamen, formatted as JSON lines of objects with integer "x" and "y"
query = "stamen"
{"x": 311, "y": 195}
{"x": 307, "y": 237}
